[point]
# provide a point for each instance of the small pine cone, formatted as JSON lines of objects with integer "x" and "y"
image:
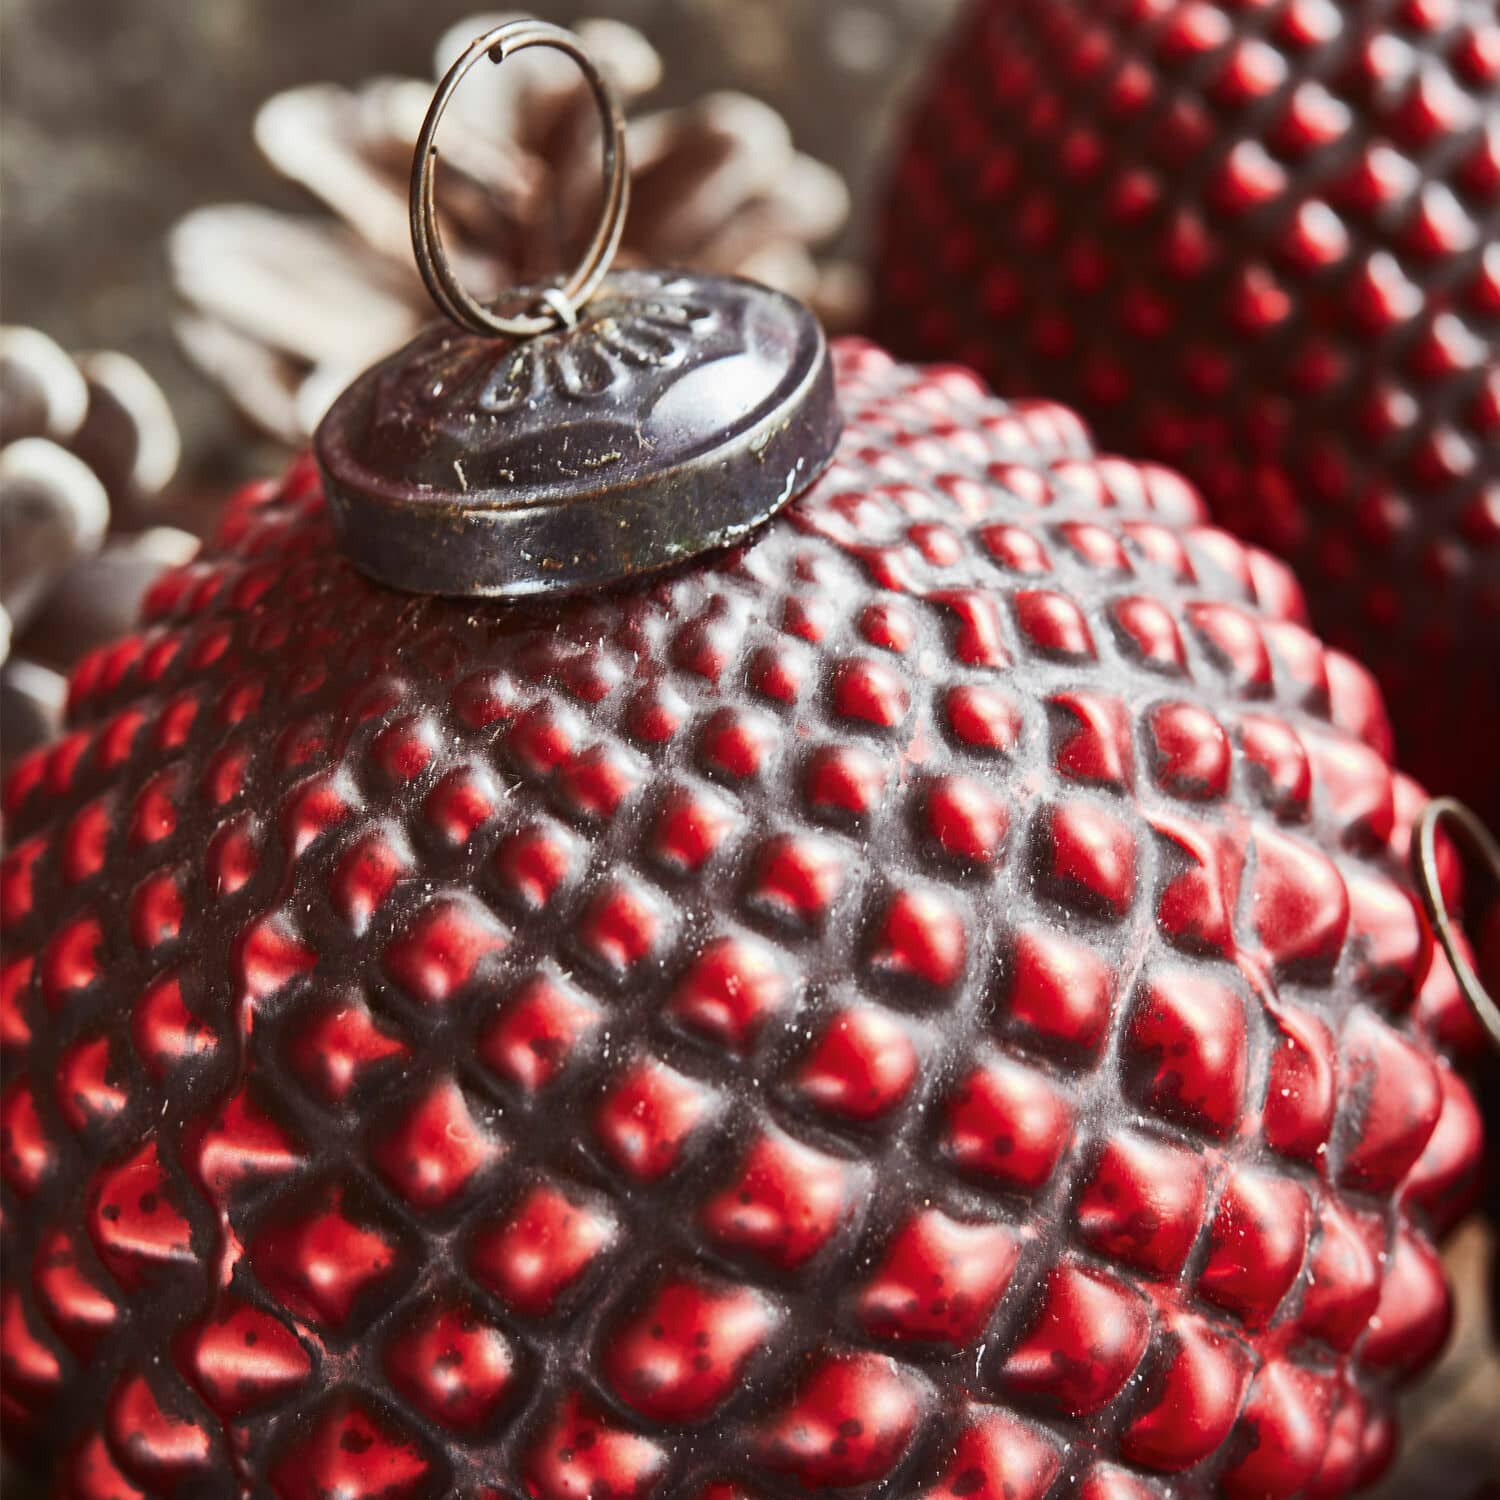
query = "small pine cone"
{"x": 283, "y": 311}
{"x": 87, "y": 447}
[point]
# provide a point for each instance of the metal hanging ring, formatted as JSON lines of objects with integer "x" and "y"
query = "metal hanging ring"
{"x": 1481, "y": 844}
{"x": 558, "y": 307}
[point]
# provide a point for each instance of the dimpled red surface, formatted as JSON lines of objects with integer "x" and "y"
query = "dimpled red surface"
{"x": 1258, "y": 240}
{"x": 926, "y": 1005}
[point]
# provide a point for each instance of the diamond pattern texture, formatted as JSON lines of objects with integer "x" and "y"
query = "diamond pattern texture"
{"x": 1258, "y": 240}
{"x": 927, "y": 1004}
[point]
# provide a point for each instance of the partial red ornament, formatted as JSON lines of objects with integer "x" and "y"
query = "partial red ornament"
{"x": 1260, "y": 243}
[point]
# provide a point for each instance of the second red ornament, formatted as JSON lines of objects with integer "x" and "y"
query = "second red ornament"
{"x": 1261, "y": 242}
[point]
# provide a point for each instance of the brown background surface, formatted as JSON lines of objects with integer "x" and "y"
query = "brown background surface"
{"x": 118, "y": 116}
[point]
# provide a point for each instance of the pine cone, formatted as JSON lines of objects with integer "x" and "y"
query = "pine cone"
{"x": 87, "y": 447}
{"x": 283, "y": 311}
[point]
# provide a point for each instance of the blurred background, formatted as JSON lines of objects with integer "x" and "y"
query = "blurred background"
{"x": 120, "y": 118}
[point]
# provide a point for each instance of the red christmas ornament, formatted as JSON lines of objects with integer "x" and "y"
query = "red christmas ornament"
{"x": 930, "y": 1002}
{"x": 1260, "y": 242}
{"x": 933, "y": 1000}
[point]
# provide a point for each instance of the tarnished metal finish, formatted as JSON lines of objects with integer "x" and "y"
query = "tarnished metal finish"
{"x": 1478, "y": 841}
{"x": 679, "y": 414}
{"x": 634, "y": 422}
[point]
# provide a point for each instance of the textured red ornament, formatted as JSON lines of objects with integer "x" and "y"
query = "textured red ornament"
{"x": 1258, "y": 240}
{"x": 930, "y": 1003}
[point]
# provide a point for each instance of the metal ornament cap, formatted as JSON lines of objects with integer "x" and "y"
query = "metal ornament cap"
{"x": 680, "y": 413}
{"x": 575, "y": 435}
